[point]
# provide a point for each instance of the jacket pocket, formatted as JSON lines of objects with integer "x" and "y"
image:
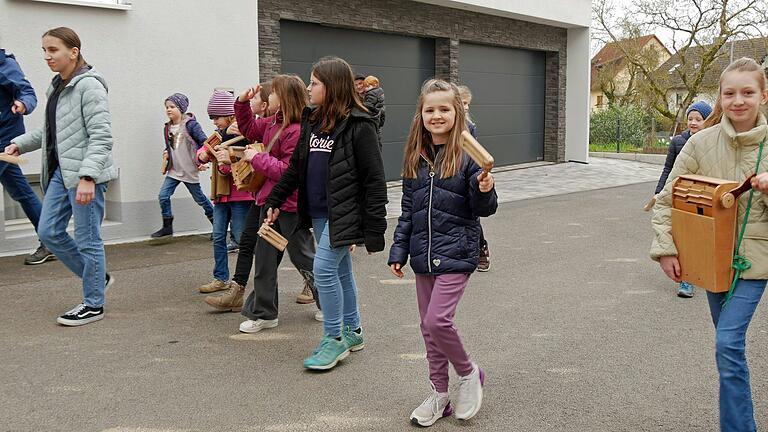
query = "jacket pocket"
{"x": 755, "y": 247}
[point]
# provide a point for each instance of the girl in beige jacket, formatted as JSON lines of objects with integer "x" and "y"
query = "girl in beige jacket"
{"x": 728, "y": 148}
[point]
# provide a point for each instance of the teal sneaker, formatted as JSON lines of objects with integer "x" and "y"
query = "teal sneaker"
{"x": 327, "y": 355}
{"x": 686, "y": 290}
{"x": 353, "y": 340}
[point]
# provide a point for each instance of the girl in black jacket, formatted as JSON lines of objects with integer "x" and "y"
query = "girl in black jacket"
{"x": 338, "y": 170}
{"x": 444, "y": 193}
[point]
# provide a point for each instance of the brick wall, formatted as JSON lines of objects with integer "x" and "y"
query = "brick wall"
{"x": 447, "y": 25}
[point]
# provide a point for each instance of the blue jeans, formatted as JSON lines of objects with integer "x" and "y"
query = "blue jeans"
{"x": 731, "y": 322}
{"x": 226, "y": 214}
{"x": 335, "y": 282}
{"x": 169, "y": 186}
{"x": 84, "y": 255}
{"x": 18, "y": 188}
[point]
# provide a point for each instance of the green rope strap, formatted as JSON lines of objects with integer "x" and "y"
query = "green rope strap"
{"x": 741, "y": 263}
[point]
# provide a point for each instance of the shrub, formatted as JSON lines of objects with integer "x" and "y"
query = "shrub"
{"x": 624, "y": 124}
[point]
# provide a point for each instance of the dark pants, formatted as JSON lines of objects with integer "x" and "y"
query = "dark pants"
{"x": 262, "y": 301}
{"x": 18, "y": 188}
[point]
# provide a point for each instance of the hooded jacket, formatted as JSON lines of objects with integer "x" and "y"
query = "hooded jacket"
{"x": 83, "y": 132}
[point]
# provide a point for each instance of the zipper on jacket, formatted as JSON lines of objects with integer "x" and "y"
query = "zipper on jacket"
{"x": 429, "y": 213}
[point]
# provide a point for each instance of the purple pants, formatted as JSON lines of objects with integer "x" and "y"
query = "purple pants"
{"x": 438, "y": 297}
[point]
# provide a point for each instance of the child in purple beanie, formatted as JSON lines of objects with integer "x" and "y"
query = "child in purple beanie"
{"x": 183, "y": 137}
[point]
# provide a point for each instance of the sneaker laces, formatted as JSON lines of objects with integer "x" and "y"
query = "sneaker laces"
{"x": 433, "y": 400}
{"x": 76, "y": 310}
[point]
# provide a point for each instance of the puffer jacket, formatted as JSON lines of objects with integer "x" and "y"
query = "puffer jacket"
{"x": 675, "y": 145}
{"x": 439, "y": 226}
{"x": 274, "y": 163}
{"x": 719, "y": 151}
{"x": 373, "y": 99}
{"x": 83, "y": 132}
{"x": 356, "y": 189}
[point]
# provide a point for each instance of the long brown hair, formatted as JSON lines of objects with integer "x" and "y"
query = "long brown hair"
{"x": 420, "y": 138}
{"x": 292, "y": 92}
{"x": 340, "y": 94}
{"x": 70, "y": 39}
{"x": 744, "y": 64}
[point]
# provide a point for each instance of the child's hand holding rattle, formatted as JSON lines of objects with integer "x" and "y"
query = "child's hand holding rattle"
{"x": 249, "y": 153}
{"x": 760, "y": 182}
{"x": 485, "y": 181}
{"x": 222, "y": 155}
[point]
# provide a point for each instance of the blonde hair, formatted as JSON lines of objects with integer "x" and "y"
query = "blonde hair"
{"x": 371, "y": 80}
{"x": 465, "y": 92}
{"x": 419, "y": 138}
{"x": 744, "y": 64}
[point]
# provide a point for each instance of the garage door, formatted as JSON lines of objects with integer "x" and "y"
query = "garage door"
{"x": 508, "y": 100}
{"x": 401, "y": 63}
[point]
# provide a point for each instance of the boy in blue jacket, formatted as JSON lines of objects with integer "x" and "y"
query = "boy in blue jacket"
{"x": 17, "y": 98}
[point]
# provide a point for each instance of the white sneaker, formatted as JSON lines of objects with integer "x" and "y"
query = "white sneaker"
{"x": 251, "y": 326}
{"x": 470, "y": 394}
{"x": 435, "y": 406}
{"x": 319, "y": 316}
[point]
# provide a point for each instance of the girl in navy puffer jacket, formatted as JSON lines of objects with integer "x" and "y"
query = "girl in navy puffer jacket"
{"x": 444, "y": 193}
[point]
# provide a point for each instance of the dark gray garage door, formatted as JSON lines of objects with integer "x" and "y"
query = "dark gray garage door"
{"x": 401, "y": 63}
{"x": 508, "y": 100}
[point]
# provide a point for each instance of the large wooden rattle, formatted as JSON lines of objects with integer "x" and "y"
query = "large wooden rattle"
{"x": 477, "y": 152}
{"x": 272, "y": 237}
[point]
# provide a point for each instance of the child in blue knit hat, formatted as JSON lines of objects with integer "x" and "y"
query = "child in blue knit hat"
{"x": 183, "y": 137}
{"x": 695, "y": 115}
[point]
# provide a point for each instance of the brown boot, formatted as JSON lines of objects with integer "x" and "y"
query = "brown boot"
{"x": 306, "y": 296}
{"x": 213, "y": 286}
{"x": 230, "y": 300}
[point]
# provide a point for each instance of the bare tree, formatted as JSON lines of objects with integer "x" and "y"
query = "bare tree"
{"x": 700, "y": 28}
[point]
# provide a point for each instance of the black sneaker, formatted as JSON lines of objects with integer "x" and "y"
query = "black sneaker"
{"x": 41, "y": 255}
{"x": 110, "y": 280}
{"x": 484, "y": 263}
{"x": 81, "y": 315}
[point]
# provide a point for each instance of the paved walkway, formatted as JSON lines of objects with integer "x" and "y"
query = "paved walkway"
{"x": 527, "y": 181}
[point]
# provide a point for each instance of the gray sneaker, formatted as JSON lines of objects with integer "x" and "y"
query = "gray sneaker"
{"x": 470, "y": 394}
{"x": 432, "y": 409}
{"x": 41, "y": 255}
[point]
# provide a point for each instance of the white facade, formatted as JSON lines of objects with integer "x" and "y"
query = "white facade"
{"x": 150, "y": 49}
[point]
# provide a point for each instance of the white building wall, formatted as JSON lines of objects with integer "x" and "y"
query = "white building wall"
{"x": 146, "y": 53}
{"x": 577, "y": 96}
